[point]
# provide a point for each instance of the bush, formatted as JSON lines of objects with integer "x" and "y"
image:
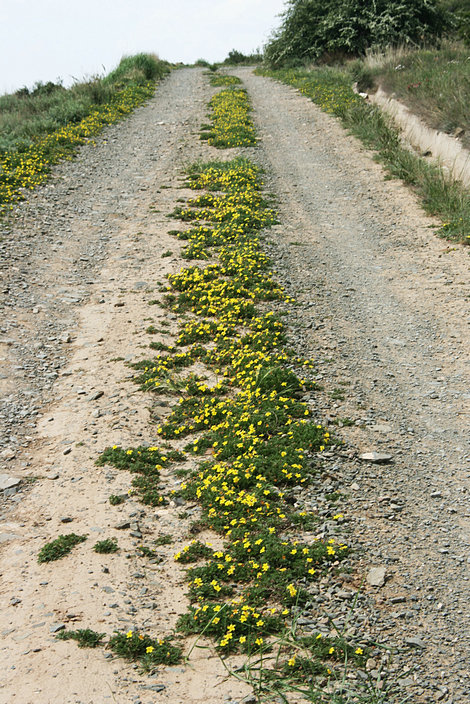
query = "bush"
{"x": 327, "y": 29}
{"x": 235, "y": 58}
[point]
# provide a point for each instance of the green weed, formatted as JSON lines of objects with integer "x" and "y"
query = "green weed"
{"x": 106, "y": 546}
{"x": 59, "y": 547}
{"x": 85, "y": 637}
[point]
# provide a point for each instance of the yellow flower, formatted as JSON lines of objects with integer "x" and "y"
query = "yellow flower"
{"x": 149, "y": 649}
{"x": 292, "y": 590}
{"x": 359, "y": 651}
{"x": 129, "y": 634}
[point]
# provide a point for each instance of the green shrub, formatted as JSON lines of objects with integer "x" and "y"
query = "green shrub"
{"x": 85, "y": 637}
{"x": 336, "y": 28}
{"x": 106, "y": 546}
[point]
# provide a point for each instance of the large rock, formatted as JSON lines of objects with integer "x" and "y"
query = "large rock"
{"x": 8, "y": 482}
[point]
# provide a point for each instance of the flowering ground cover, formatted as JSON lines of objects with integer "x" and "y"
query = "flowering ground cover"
{"x": 242, "y": 439}
{"x": 231, "y": 124}
{"x": 21, "y": 171}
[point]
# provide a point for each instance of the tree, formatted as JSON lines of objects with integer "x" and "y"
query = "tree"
{"x": 314, "y": 28}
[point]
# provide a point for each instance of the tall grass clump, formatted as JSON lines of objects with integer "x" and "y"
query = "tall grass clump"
{"x": 139, "y": 68}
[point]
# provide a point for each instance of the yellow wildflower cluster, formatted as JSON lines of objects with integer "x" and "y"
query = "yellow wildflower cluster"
{"x": 21, "y": 171}
{"x": 231, "y": 126}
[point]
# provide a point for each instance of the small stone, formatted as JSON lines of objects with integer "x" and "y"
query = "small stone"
{"x": 249, "y": 699}
{"x": 56, "y": 627}
{"x": 67, "y": 451}
{"x": 398, "y": 599}
{"x": 14, "y": 601}
{"x": 66, "y": 519}
{"x": 123, "y": 526}
{"x": 65, "y": 337}
{"x": 355, "y": 487}
{"x": 120, "y": 304}
{"x": 108, "y": 590}
{"x": 96, "y": 395}
{"x": 376, "y": 576}
{"x": 376, "y": 457}
{"x": 415, "y": 643}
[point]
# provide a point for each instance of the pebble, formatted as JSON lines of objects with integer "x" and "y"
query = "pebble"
{"x": 123, "y": 525}
{"x": 376, "y": 457}
{"x": 376, "y": 576}
{"x": 415, "y": 643}
{"x": 8, "y": 482}
{"x": 56, "y": 627}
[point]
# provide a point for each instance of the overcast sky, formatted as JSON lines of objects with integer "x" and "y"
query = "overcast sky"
{"x": 43, "y": 40}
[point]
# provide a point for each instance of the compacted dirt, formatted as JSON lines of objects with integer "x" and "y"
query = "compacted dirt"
{"x": 382, "y": 305}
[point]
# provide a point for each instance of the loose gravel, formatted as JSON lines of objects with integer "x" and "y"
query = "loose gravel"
{"x": 383, "y": 307}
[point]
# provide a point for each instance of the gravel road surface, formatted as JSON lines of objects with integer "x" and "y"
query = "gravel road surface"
{"x": 382, "y": 305}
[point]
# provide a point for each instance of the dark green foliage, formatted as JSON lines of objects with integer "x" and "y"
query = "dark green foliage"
{"x": 336, "y": 28}
{"x": 106, "y": 546}
{"x": 59, "y": 547}
{"x": 85, "y": 637}
{"x": 116, "y": 499}
{"x": 150, "y": 651}
{"x": 237, "y": 58}
{"x": 460, "y": 10}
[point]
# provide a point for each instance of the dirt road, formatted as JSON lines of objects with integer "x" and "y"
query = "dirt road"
{"x": 383, "y": 307}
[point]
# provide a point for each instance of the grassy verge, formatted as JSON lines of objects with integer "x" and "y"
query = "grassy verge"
{"x": 41, "y": 127}
{"x": 434, "y": 83}
{"x": 441, "y": 196}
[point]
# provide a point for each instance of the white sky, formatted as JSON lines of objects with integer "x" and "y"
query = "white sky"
{"x": 44, "y": 40}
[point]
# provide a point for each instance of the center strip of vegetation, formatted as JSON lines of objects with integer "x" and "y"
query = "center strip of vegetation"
{"x": 231, "y": 124}
{"x": 246, "y": 445}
